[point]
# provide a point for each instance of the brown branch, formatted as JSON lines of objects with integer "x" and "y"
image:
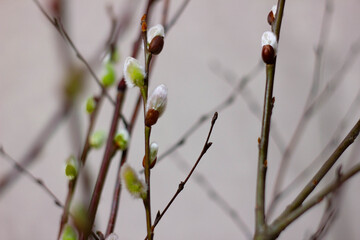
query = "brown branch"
{"x": 309, "y": 111}
{"x": 182, "y": 184}
{"x": 313, "y": 183}
{"x": 333, "y": 142}
{"x": 281, "y": 223}
{"x": 109, "y": 151}
{"x": 260, "y": 222}
{"x": 82, "y": 157}
{"x": 22, "y": 169}
{"x": 60, "y": 28}
{"x": 215, "y": 196}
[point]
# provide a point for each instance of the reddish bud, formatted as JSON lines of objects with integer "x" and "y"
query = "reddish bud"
{"x": 152, "y": 116}
{"x": 156, "y": 45}
{"x": 152, "y": 164}
{"x": 271, "y": 18}
{"x": 268, "y": 54}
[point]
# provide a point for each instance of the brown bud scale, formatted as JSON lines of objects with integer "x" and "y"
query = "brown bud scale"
{"x": 268, "y": 54}
{"x": 271, "y": 18}
{"x": 151, "y": 117}
{"x": 156, "y": 45}
{"x": 152, "y": 164}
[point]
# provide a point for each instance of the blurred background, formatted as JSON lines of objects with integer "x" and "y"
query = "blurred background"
{"x": 207, "y": 53}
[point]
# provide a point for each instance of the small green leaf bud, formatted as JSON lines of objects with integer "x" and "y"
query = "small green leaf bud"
{"x": 97, "y": 139}
{"x": 69, "y": 233}
{"x": 71, "y": 168}
{"x": 122, "y": 139}
{"x": 134, "y": 185}
{"x": 134, "y": 73}
{"x": 90, "y": 105}
{"x": 109, "y": 75}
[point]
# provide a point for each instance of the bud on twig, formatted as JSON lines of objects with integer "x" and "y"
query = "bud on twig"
{"x": 90, "y": 105}
{"x": 134, "y": 185}
{"x": 134, "y": 73}
{"x": 97, "y": 139}
{"x": 154, "y": 148}
{"x": 269, "y": 47}
{"x": 71, "y": 168}
{"x": 155, "y": 38}
{"x": 69, "y": 233}
{"x": 156, "y": 105}
{"x": 272, "y": 14}
{"x": 109, "y": 75}
{"x": 122, "y": 138}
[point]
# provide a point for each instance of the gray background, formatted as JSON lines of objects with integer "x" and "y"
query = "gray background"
{"x": 210, "y": 36}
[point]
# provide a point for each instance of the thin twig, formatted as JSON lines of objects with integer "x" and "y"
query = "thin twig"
{"x": 281, "y": 223}
{"x": 82, "y": 160}
{"x": 37, "y": 146}
{"x": 60, "y": 28}
{"x": 182, "y": 184}
{"x": 260, "y": 222}
{"x": 176, "y": 15}
{"x": 319, "y": 56}
{"x": 334, "y": 140}
{"x": 20, "y": 168}
{"x": 252, "y": 104}
{"x": 204, "y": 117}
{"x": 109, "y": 151}
{"x": 309, "y": 111}
{"x": 313, "y": 183}
{"x": 215, "y": 196}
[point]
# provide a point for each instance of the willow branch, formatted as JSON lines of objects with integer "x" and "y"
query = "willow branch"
{"x": 300, "y": 198}
{"x": 281, "y": 223}
{"x": 182, "y": 184}
{"x": 260, "y": 223}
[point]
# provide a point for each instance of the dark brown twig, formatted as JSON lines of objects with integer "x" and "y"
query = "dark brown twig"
{"x": 182, "y": 184}
{"x": 82, "y": 157}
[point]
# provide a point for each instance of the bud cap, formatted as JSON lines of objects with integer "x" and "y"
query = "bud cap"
{"x": 269, "y": 38}
{"x": 157, "y": 30}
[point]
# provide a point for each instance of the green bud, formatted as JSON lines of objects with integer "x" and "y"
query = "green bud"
{"x": 134, "y": 185}
{"x": 122, "y": 138}
{"x": 97, "y": 139}
{"x": 90, "y": 105}
{"x": 71, "y": 168}
{"x": 69, "y": 233}
{"x": 109, "y": 76}
{"x": 134, "y": 73}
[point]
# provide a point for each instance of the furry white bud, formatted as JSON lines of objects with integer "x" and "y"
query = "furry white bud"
{"x": 134, "y": 72}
